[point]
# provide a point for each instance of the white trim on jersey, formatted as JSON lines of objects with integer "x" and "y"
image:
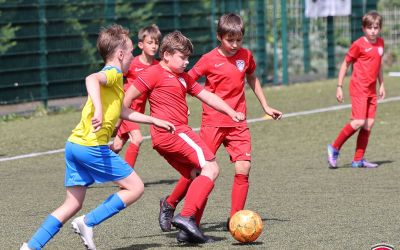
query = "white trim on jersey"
{"x": 199, "y": 151}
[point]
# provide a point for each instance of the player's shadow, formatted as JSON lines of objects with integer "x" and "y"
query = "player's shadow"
{"x": 160, "y": 182}
{"x": 380, "y": 164}
{"x": 222, "y": 226}
{"x": 140, "y": 246}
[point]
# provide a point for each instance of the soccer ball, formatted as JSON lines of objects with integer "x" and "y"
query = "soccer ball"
{"x": 245, "y": 226}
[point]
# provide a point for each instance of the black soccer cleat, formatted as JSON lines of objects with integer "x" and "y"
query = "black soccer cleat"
{"x": 183, "y": 237}
{"x": 188, "y": 225}
{"x": 166, "y": 215}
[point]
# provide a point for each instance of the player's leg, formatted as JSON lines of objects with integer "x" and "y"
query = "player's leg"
{"x": 363, "y": 136}
{"x": 358, "y": 110}
{"x": 53, "y": 223}
{"x": 238, "y": 144}
{"x": 213, "y": 139}
{"x": 132, "y": 151}
{"x": 191, "y": 151}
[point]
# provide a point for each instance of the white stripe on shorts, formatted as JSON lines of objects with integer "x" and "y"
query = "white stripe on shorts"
{"x": 199, "y": 151}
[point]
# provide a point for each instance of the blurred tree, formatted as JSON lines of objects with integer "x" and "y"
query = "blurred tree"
{"x": 7, "y": 34}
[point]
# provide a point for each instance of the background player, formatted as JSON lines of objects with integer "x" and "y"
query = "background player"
{"x": 365, "y": 54}
{"x": 149, "y": 39}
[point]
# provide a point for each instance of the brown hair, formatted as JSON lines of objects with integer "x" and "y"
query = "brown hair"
{"x": 370, "y": 18}
{"x": 152, "y": 31}
{"x": 176, "y": 41}
{"x": 110, "y": 38}
{"x": 231, "y": 24}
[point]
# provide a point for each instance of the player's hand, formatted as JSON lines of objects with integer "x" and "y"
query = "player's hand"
{"x": 164, "y": 124}
{"x": 97, "y": 121}
{"x": 238, "y": 116}
{"x": 274, "y": 113}
{"x": 382, "y": 92}
{"x": 339, "y": 94}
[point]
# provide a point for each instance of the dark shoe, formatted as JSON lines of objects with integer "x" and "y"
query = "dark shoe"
{"x": 166, "y": 215}
{"x": 183, "y": 237}
{"x": 188, "y": 225}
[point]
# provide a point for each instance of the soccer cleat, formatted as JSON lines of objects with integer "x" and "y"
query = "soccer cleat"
{"x": 188, "y": 225}
{"x": 363, "y": 164}
{"x": 183, "y": 237}
{"x": 25, "y": 246}
{"x": 166, "y": 215}
{"x": 333, "y": 155}
{"x": 84, "y": 231}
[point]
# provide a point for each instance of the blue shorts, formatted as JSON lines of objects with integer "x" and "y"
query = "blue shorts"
{"x": 97, "y": 164}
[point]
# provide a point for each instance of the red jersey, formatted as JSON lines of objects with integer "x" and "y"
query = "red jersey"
{"x": 225, "y": 77}
{"x": 366, "y": 58}
{"x": 167, "y": 95}
{"x": 135, "y": 68}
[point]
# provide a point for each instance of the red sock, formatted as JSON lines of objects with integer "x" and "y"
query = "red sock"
{"x": 239, "y": 192}
{"x": 346, "y": 132}
{"x": 197, "y": 194}
{"x": 362, "y": 142}
{"x": 179, "y": 191}
{"x": 131, "y": 154}
{"x": 199, "y": 213}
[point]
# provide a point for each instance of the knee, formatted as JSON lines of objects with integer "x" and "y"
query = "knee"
{"x": 356, "y": 124}
{"x": 211, "y": 170}
{"x": 243, "y": 167}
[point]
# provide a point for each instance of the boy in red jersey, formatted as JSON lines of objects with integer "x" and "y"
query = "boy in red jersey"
{"x": 226, "y": 68}
{"x": 366, "y": 56}
{"x": 167, "y": 85}
{"x": 149, "y": 38}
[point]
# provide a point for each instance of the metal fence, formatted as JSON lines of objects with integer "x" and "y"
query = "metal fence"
{"x": 48, "y": 46}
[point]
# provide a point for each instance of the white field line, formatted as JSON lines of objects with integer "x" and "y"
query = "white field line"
{"x": 294, "y": 114}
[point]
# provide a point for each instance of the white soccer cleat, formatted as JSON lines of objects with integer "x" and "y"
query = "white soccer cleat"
{"x": 25, "y": 246}
{"x": 84, "y": 231}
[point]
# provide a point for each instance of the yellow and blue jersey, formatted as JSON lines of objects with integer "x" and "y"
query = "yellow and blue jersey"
{"x": 112, "y": 95}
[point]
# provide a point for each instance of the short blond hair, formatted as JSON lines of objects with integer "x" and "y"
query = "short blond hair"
{"x": 151, "y": 31}
{"x": 370, "y": 18}
{"x": 176, "y": 41}
{"x": 111, "y": 38}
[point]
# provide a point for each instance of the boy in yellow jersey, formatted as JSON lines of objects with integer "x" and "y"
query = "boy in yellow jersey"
{"x": 87, "y": 155}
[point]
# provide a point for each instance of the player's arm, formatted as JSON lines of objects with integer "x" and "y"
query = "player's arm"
{"x": 93, "y": 83}
{"x": 217, "y": 103}
{"x": 342, "y": 73}
{"x": 131, "y": 115}
{"x": 382, "y": 92}
{"x": 255, "y": 85}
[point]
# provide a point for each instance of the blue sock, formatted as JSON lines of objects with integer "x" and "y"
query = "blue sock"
{"x": 45, "y": 232}
{"x": 105, "y": 210}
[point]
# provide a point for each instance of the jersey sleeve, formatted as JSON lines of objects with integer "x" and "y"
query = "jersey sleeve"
{"x": 112, "y": 75}
{"x": 252, "y": 65}
{"x": 146, "y": 80}
{"x": 353, "y": 53}
{"x": 199, "y": 69}
{"x": 193, "y": 87}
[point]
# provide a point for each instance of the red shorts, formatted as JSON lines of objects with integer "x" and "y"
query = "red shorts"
{"x": 126, "y": 127}
{"x": 237, "y": 141}
{"x": 363, "y": 108}
{"x": 184, "y": 150}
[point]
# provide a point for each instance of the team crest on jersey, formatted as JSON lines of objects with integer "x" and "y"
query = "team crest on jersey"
{"x": 380, "y": 51}
{"x": 240, "y": 65}
{"x": 182, "y": 81}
